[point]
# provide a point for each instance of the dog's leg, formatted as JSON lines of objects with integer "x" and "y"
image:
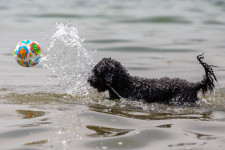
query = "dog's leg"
{"x": 112, "y": 93}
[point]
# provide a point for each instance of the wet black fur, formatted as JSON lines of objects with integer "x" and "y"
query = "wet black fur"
{"x": 110, "y": 75}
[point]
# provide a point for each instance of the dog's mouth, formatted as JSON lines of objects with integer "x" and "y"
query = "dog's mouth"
{"x": 97, "y": 83}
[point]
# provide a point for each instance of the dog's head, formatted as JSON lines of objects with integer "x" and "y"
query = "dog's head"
{"x": 105, "y": 73}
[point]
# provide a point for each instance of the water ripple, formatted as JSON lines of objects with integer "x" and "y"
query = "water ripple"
{"x": 107, "y": 132}
{"x": 135, "y": 140}
{"x": 59, "y": 15}
{"x": 145, "y": 49}
{"x": 108, "y": 41}
{"x": 159, "y": 19}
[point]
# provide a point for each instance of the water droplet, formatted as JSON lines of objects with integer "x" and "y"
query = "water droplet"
{"x": 70, "y": 62}
{"x": 59, "y": 132}
{"x": 104, "y": 147}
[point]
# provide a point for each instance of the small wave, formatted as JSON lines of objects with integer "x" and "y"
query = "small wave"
{"x": 3, "y": 8}
{"x": 213, "y": 22}
{"x": 159, "y": 19}
{"x": 146, "y": 49}
{"x": 109, "y": 41}
{"x": 39, "y": 98}
{"x": 65, "y": 15}
{"x": 59, "y": 15}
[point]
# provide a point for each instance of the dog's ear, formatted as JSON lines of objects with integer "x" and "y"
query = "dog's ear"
{"x": 110, "y": 72}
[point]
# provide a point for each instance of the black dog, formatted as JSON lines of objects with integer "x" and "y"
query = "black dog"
{"x": 110, "y": 75}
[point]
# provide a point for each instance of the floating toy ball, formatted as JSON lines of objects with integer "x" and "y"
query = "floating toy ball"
{"x": 27, "y": 53}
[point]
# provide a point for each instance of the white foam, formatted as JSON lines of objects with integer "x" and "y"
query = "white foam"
{"x": 68, "y": 60}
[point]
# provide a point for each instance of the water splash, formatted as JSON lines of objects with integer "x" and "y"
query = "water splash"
{"x": 68, "y": 60}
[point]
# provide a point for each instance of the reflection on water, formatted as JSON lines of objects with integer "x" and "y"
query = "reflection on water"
{"x": 27, "y": 114}
{"x": 165, "y": 126}
{"x": 34, "y": 124}
{"x": 182, "y": 144}
{"x": 203, "y": 136}
{"x": 106, "y": 132}
{"x": 166, "y": 113}
{"x": 133, "y": 140}
{"x": 39, "y": 98}
{"x": 37, "y": 142}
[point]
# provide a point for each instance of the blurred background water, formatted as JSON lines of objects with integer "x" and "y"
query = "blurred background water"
{"x": 151, "y": 38}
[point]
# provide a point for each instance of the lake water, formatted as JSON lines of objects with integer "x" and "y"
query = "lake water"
{"x": 50, "y": 106}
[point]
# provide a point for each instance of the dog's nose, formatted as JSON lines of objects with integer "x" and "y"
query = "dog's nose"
{"x": 91, "y": 79}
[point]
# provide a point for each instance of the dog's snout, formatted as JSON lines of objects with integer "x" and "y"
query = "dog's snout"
{"x": 92, "y": 80}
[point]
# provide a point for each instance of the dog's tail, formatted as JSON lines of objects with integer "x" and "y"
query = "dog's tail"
{"x": 207, "y": 83}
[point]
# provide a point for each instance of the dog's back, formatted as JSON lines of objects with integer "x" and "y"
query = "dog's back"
{"x": 163, "y": 90}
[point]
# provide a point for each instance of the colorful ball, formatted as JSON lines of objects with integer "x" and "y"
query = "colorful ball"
{"x": 27, "y": 53}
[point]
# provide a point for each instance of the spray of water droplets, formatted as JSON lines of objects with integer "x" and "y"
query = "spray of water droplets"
{"x": 68, "y": 60}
